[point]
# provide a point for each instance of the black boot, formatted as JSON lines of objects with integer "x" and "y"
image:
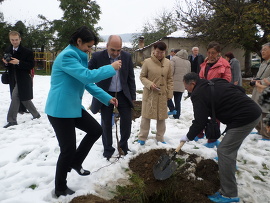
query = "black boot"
{"x": 64, "y": 193}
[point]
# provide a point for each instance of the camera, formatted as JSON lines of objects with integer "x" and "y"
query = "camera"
{"x": 252, "y": 83}
{"x": 7, "y": 57}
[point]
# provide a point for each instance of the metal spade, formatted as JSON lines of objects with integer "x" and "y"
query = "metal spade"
{"x": 166, "y": 165}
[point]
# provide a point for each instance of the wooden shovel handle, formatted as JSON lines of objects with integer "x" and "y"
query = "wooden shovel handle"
{"x": 179, "y": 147}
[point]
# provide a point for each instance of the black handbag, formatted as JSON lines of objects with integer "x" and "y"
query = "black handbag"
{"x": 212, "y": 130}
{"x": 5, "y": 77}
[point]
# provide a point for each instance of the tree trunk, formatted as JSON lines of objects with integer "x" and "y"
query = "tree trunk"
{"x": 248, "y": 72}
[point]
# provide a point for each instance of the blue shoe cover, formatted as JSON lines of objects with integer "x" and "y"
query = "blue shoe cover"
{"x": 217, "y": 197}
{"x": 174, "y": 112}
{"x": 198, "y": 138}
{"x": 141, "y": 142}
{"x": 212, "y": 144}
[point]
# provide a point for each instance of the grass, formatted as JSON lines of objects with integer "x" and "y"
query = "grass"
{"x": 265, "y": 167}
{"x": 22, "y": 156}
{"x": 42, "y": 72}
{"x": 180, "y": 161}
{"x": 134, "y": 192}
{"x": 33, "y": 186}
{"x": 258, "y": 178}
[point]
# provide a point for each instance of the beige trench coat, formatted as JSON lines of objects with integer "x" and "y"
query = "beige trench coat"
{"x": 154, "y": 102}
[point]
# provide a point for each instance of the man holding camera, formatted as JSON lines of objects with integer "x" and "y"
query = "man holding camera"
{"x": 19, "y": 61}
{"x": 260, "y": 81}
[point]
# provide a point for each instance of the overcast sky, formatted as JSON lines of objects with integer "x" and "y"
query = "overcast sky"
{"x": 118, "y": 16}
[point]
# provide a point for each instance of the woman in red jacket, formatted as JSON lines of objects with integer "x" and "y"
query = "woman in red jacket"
{"x": 214, "y": 66}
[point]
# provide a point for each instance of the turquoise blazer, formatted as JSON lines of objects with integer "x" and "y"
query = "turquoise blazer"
{"x": 70, "y": 77}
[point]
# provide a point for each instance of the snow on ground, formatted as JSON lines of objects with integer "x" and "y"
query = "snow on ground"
{"x": 29, "y": 152}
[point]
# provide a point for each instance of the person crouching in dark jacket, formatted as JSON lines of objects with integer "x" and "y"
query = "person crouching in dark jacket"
{"x": 233, "y": 108}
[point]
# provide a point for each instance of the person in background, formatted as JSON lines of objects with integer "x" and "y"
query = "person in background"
{"x": 235, "y": 109}
{"x": 122, "y": 86}
{"x": 264, "y": 101}
{"x": 235, "y": 68}
{"x": 196, "y": 59}
{"x": 156, "y": 77}
{"x": 172, "y": 53}
{"x": 214, "y": 66}
{"x": 180, "y": 66}
{"x": 262, "y": 81}
{"x": 20, "y": 80}
{"x": 69, "y": 79}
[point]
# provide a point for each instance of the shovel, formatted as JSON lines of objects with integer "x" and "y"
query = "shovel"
{"x": 166, "y": 165}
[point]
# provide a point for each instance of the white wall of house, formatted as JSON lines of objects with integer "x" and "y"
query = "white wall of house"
{"x": 187, "y": 44}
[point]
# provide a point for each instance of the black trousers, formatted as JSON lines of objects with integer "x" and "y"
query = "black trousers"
{"x": 124, "y": 108}
{"x": 177, "y": 96}
{"x": 70, "y": 156}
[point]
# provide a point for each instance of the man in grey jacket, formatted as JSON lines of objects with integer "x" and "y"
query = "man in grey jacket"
{"x": 264, "y": 72}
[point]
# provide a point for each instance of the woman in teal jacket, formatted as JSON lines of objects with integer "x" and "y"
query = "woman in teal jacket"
{"x": 70, "y": 77}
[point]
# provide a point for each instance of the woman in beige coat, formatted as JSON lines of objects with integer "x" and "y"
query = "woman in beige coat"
{"x": 180, "y": 66}
{"x": 156, "y": 77}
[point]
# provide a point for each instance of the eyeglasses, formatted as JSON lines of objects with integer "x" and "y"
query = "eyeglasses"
{"x": 213, "y": 53}
{"x": 265, "y": 49}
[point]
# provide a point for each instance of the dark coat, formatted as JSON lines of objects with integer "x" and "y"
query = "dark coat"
{"x": 195, "y": 64}
{"x": 127, "y": 77}
{"x": 22, "y": 72}
{"x": 232, "y": 106}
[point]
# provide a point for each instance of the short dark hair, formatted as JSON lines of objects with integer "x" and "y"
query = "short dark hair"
{"x": 191, "y": 77}
{"x": 214, "y": 45}
{"x": 160, "y": 45}
{"x": 85, "y": 34}
{"x": 176, "y": 50}
{"x": 229, "y": 55}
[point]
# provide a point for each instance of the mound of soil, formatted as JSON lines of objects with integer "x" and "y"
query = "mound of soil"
{"x": 192, "y": 181}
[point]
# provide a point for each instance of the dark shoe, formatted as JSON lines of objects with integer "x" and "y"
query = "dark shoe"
{"x": 36, "y": 117}
{"x": 108, "y": 153}
{"x": 64, "y": 193}
{"x": 10, "y": 124}
{"x": 81, "y": 171}
{"x": 108, "y": 157}
{"x": 126, "y": 152}
{"x": 22, "y": 112}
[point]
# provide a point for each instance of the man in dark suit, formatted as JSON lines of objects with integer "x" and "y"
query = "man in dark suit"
{"x": 196, "y": 59}
{"x": 122, "y": 86}
{"x": 172, "y": 53}
{"x": 19, "y": 64}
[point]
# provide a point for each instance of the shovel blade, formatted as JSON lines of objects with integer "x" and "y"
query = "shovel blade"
{"x": 164, "y": 168}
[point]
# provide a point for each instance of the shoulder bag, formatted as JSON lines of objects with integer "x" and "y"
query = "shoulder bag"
{"x": 212, "y": 130}
{"x": 5, "y": 77}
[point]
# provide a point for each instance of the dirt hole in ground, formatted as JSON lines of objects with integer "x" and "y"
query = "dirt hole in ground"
{"x": 192, "y": 181}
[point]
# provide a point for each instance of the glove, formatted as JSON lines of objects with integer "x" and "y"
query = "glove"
{"x": 184, "y": 139}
